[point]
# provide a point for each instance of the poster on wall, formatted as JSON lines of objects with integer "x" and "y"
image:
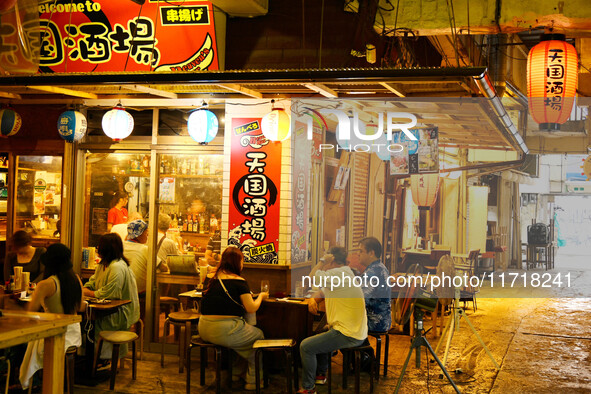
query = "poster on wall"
{"x": 301, "y": 183}
{"x": 417, "y": 156}
{"x": 255, "y": 176}
{"x": 118, "y": 35}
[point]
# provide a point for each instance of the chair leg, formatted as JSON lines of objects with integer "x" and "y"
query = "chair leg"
{"x": 202, "y": 365}
{"x": 386, "y": 354}
{"x": 182, "y": 339}
{"x": 378, "y": 356}
{"x": 114, "y": 360}
{"x": 257, "y": 368}
{"x": 288, "y": 362}
{"x": 371, "y": 372}
{"x": 296, "y": 378}
{"x": 133, "y": 361}
{"x": 329, "y": 373}
{"x": 218, "y": 370}
{"x": 230, "y": 358}
{"x": 189, "y": 348}
{"x": 164, "y": 335}
{"x": 70, "y": 361}
{"x": 97, "y": 354}
{"x": 141, "y": 335}
{"x": 357, "y": 355}
{"x": 346, "y": 362}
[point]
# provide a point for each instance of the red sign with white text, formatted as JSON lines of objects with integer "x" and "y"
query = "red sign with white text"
{"x": 121, "y": 35}
{"x": 255, "y": 177}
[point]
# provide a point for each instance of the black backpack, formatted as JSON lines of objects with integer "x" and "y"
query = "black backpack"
{"x": 538, "y": 234}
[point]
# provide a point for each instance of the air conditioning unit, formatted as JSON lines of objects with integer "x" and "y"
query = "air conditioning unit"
{"x": 243, "y": 8}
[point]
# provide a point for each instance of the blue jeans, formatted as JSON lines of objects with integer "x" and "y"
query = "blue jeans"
{"x": 314, "y": 353}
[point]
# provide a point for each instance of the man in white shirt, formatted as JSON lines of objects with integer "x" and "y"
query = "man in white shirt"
{"x": 121, "y": 228}
{"x": 136, "y": 251}
{"x": 345, "y": 314}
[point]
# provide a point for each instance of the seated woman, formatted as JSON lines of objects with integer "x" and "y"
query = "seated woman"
{"x": 24, "y": 255}
{"x": 225, "y": 301}
{"x": 114, "y": 280}
{"x": 59, "y": 292}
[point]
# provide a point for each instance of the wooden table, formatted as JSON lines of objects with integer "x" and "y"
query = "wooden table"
{"x": 94, "y": 312}
{"x": 277, "y": 319}
{"x": 21, "y": 327}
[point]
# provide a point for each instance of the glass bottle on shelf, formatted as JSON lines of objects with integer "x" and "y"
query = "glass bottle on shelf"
{"x": 206, "y": 168}
{"x": 185, "y": 224}
{"x": 190, "y": 223}
{"x": 201, "y": 223}
{"x": 205, "y": 224}
{"x": 146, "y": 163}
{"x": 179, "y": 221}
{"x": 200, "y": 166}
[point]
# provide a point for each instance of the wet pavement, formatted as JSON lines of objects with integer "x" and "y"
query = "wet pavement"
{"x": 542, "y": 345}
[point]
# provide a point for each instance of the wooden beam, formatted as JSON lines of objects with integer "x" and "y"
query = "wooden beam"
{"x": 152, "y": 91}
{"x": 67, "y": 92}
{"x": 10, "y": 95}
{"x": 322, "y": 89}
{"x": 240, "y": 89}
{"x": 394, "y": 88}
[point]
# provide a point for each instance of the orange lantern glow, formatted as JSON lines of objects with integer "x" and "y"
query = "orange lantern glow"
{"x": 424, "y": 188}
{"x": 552, "y": 76}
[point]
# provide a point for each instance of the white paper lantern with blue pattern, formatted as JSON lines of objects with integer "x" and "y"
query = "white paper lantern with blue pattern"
{"x": 10, "y": 122}
{"x": 72, "y": 126}
{"x": 117, "y": 123}
{"x": 203, "y": 126}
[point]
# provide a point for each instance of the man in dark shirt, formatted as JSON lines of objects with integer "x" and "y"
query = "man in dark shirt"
{"x": 377, "y": 298}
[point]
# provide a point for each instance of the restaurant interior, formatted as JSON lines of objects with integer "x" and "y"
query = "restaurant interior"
{"x": 442, "y": 152}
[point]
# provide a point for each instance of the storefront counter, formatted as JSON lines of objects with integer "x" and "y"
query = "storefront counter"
{"x": 280, "y": 277}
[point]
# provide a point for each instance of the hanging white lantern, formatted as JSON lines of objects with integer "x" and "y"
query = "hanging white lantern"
{"x": 117, "y": 123}
{"x": 72, "y": 126}
{"x": 203, "y": 126}
{"x": 424, "y": 188}
{"x": 276, "y": 125}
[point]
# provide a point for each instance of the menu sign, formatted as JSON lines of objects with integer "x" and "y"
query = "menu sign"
{"x": 255, "y": 176}
{"x": 417, "y": 157}
{"x": 299, "y": 208}
{"x": 116, "y": 35}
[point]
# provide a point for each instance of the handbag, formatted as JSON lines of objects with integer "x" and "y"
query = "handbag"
{"x": 249, "y": 317}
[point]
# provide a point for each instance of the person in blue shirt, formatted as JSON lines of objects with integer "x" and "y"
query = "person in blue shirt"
{"x": 376, "y": 293}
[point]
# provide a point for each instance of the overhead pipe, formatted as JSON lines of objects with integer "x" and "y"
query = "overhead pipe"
{"x": 487, "y": 88}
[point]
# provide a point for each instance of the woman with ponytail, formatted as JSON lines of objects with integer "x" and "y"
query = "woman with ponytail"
{"x": 59, "y": 292}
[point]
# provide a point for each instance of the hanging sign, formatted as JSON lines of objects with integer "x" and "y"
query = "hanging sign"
{"x": 299, "y": 194}
{"x": 121, "y": 35}
{"x": 417, "y": 156}
{"x": 255, "y": 176}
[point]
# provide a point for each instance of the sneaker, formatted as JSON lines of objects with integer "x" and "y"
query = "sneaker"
{"x": 304, "y": 391}
{"x": 320, "y": 379}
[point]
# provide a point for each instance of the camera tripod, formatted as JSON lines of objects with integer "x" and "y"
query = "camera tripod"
{"x": 418, "y": 341}
{"x": 454, "y": 324}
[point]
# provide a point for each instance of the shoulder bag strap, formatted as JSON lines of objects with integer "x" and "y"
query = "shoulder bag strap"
{"x": 228, "y": 294}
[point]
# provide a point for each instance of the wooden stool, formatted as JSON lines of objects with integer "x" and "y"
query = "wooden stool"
{"x": 69, "y": 371}
{"x": 183, "y": 320}
{"x": 288, "y": 348}
{"x": 139, "y": 329}
{"x": 357, "y": 361}
{"x": 378, "y": 336}
{"x": 196, "y": 341}
{"x": 117, "y": 338}
{"x": 168, "y": 305}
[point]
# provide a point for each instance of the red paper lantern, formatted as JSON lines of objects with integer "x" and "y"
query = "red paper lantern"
{"x": 424, "y": 188}
{"x": 552, "y": 76}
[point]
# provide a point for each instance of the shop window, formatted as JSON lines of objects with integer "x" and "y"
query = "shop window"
{"x": 110, "y": 176}
{"x": 38, "y": 197}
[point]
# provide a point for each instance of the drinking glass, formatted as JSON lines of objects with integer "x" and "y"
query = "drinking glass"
{"x": 264, "y": 286}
